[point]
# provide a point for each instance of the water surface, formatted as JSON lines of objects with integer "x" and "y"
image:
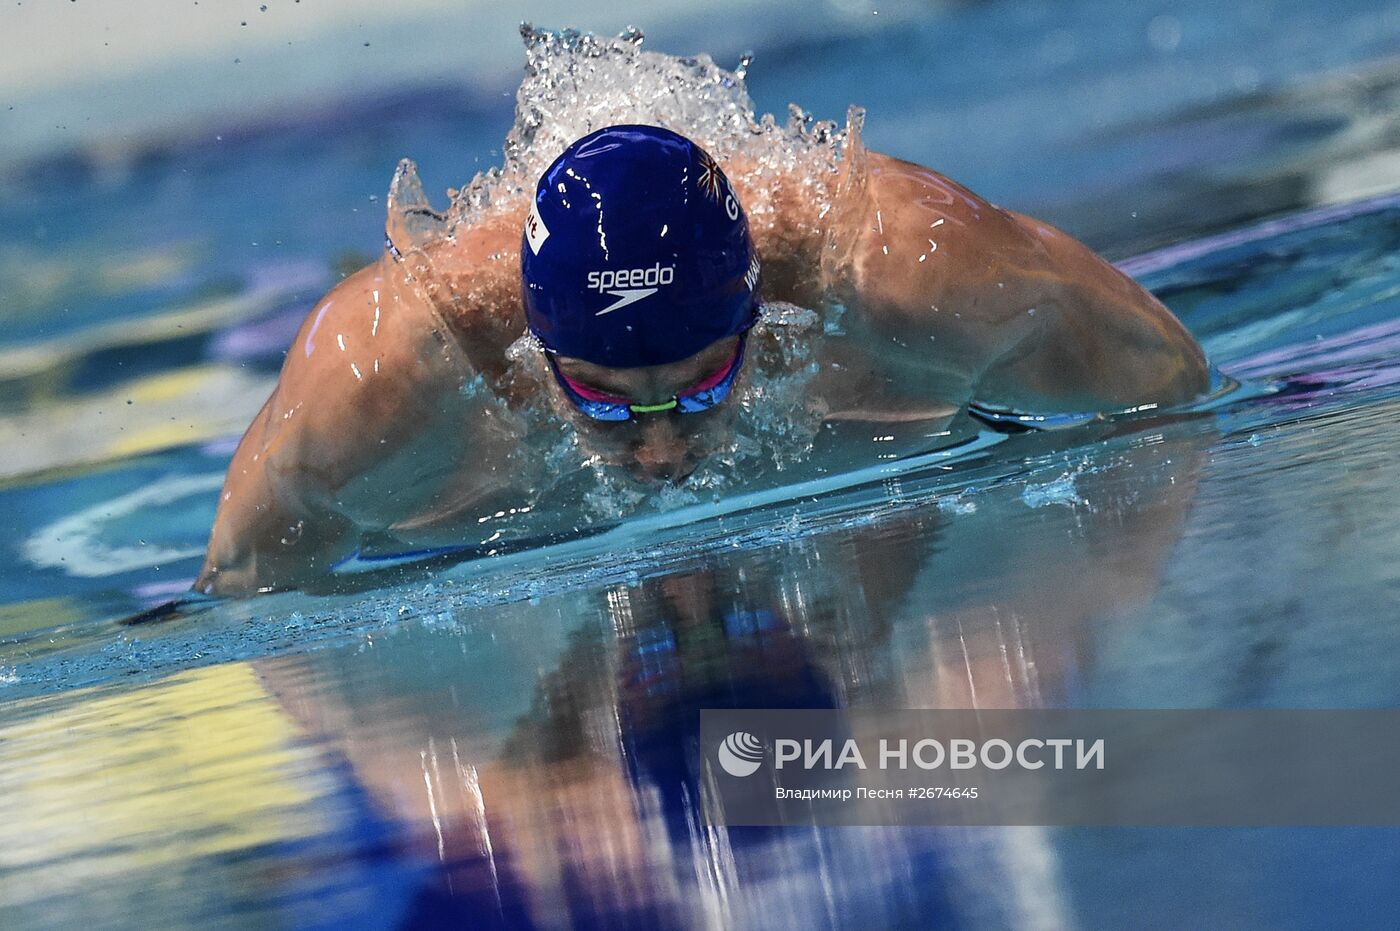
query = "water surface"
{"x": 511, "y": 740}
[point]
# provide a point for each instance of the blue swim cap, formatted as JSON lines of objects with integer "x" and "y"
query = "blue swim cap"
{"x": 636, "y": 251}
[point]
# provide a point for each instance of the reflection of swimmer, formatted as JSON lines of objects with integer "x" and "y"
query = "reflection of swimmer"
{"x": 641, "y": 282}
{"x": 563, "y": 775}
{"x": 584, "y": 811}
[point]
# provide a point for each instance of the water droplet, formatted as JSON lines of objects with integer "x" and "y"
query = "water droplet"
{"x": 1164, "y": 32}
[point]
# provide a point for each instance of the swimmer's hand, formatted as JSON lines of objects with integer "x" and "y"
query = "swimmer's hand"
{"x": 177, "y": 609}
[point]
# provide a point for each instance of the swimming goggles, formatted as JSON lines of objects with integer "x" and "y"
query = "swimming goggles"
{"x": 701, "y": 396}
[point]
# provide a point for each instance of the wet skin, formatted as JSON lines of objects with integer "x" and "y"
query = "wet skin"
{"x": 948, "y": 299}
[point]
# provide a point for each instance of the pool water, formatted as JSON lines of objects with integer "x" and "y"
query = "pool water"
{"x": 511, "y": 740}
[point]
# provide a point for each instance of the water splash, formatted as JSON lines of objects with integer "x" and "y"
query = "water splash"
{"x": 412, "y": 222}
{"x": 576, "y": 83}
{"x": 1061, "y": 490}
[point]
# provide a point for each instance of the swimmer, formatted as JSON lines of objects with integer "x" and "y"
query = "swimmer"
{"x": 638, "y": 272}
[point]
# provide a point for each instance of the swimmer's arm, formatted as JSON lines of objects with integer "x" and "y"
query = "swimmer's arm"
{"x": 268, "y": 532}
{"x": 1105, "y": 343}
{"x": 1033, "y": 320}
{"x": 368, "y": 375}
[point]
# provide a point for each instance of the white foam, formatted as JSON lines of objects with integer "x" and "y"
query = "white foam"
{"x": 576, "y": 83}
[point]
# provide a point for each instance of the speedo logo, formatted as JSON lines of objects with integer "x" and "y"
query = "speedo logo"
{"x": 631, "y": 278}
{"x": 630, "y": 285}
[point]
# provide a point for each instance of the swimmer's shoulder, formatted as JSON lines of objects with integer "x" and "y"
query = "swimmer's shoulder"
{"x": 921, "y": 249}
{"x": 472, "y": 282}
{"x": 914, "y": 211}
{"x": 372, "y": 318}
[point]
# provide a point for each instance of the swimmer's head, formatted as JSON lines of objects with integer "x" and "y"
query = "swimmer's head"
{"x": 640, "y": 280}
{"x": 636, "y": 252}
